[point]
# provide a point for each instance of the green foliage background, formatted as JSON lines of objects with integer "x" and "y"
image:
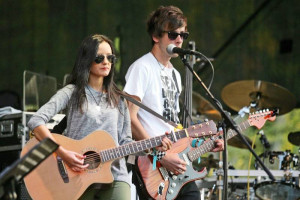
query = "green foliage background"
{"x": 277, "y": 135}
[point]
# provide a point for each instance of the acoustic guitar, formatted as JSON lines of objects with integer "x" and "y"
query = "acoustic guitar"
{"x": 53, "y": 179}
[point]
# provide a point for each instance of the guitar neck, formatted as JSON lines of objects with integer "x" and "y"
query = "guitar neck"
{"x": 209, "y": 144}
{"x": 139, "y": 146}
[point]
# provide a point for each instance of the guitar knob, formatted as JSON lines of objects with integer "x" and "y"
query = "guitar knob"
{"x": 170, "y": 191}
{"x": 174, "y": 177}
{"x": 173, "y": 185}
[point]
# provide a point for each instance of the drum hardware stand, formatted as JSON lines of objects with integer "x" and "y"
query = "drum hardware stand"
{"x": 228, "y": 123}
{"x": 188, "y": 88}
{"x": 220, "y": 174}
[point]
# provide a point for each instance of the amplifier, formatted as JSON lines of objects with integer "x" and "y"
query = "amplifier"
{"x": 11, "y": 132}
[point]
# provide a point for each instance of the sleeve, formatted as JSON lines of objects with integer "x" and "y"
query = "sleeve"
{"x": 124, "y": 130}
{"x": 137, "y": 80}
{"x": 124, "y": 134}
{"x": 57, "y": 103}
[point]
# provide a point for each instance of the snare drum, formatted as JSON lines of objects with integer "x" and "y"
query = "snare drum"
{"x": 278, "y": 190}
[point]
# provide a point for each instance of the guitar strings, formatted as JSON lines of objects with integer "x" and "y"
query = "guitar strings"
{"x": 91, "y": 157}
{"x": 97, "y": 156}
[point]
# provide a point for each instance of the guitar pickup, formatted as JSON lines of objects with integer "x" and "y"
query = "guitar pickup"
{"x": 62, "y": 169}
{"x": 185, "y": 158}
{"x": 164, "y": 173}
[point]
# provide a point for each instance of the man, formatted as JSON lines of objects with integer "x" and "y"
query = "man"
{"x": 154, "y": 81}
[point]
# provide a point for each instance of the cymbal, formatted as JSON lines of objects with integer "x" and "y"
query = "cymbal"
{"x": 238, "y": 142}
{"x": 203, "y": 107}
{"x": 294, "y": 138}
{"x": 267, "y": 95}
{"x": 208, "y": 162}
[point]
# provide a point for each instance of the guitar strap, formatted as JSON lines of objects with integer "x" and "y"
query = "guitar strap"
{"x": 149, "y": 110}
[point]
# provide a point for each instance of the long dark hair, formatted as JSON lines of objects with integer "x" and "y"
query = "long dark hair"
{"x": 81, "y": 70}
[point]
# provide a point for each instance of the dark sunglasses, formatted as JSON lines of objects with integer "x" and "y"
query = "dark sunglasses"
{"x": 172, "y": 35}
{"x": 111, "y": 58}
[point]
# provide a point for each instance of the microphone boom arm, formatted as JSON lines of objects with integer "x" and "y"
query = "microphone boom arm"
{"x": 227, "y": 119}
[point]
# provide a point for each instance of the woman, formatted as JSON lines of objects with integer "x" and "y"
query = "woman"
{"x": 93, "y": 103}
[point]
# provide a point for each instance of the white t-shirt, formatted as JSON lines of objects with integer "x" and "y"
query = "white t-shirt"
{"x": 154, "y": 85}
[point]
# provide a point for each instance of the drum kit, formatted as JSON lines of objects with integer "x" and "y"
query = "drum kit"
{"x": 248, "y": 96}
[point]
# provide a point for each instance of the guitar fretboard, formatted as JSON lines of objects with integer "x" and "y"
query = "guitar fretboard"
{"x": 138, "y": 146}
{"x": 209, "y": 144}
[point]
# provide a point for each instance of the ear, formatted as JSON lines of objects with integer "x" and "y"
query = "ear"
{"x": 155, "y": 39}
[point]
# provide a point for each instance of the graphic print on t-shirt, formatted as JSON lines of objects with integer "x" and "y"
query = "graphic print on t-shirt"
{"x": 168, "y": 96}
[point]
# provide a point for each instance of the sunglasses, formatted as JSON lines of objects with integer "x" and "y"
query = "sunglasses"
{"x": 173, "y": 35}
{"x": 111, "y": 58}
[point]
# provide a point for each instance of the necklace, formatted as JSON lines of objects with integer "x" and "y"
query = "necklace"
{"x": 97, "y": 104}
{"x": 173, "y": 106}
{"x": 162, "y": 68}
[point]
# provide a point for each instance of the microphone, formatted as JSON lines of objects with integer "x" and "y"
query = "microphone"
{"x": 264, "y": 139}
{"x": 171, "y": 49}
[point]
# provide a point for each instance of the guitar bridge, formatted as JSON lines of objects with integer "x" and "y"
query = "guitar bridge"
{"x": 62, "y": 169}
{"x": 164, "y": 173}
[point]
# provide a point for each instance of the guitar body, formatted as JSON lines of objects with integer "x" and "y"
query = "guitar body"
{"x": 168, "y": 185}
{"x": 161, "y": 179}
{"x": 46, "y": 183}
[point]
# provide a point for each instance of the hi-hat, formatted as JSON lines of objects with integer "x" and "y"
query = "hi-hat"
{"x": 294, "y": 138}
{"x": 265, "y": 94}
{"x": 203, "y": 107}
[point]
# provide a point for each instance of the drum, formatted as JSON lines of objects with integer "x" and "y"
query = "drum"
{"x": 271, "y": 159}
{"x": 279, "y": 160}
{"x": 277, "y": 190}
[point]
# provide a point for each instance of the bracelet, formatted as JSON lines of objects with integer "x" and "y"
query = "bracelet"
{"x": 160, "y": 155}
{"x": 157, "y": 156}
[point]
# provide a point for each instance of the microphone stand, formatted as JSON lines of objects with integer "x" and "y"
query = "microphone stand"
{"x": 227, "y": 124}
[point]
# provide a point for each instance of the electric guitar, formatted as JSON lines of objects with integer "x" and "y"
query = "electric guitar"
{"x": 162, "y": 184}
{"x": 53, "y": 179}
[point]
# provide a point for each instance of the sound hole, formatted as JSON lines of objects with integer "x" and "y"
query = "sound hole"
{"x": 92, "y": 158}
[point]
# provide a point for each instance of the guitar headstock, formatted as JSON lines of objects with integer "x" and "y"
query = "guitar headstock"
{"x": 203, "y": 129}
{"x": 259, "y": 118}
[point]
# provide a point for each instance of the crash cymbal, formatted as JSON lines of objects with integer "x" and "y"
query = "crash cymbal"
{"x": 203, "y": 107}
{"x": 237, "y": 142}
{"x": 267, "y": 95}
{"x": 294, "y": 138}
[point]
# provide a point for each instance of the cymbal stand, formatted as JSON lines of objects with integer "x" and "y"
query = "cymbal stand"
{"x": 227, "y": 120}
{"x": 219, "y": 182}
{"x": 220, "y": 174}
{"x": 246, "y": 109}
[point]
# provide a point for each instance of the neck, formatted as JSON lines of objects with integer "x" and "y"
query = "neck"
{"x": 160, "y": 56}
{"x": 96, "y": 84}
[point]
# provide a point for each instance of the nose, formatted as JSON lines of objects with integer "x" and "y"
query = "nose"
{"x": 105, "y": 60}
{"x": 179, "y": 39}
